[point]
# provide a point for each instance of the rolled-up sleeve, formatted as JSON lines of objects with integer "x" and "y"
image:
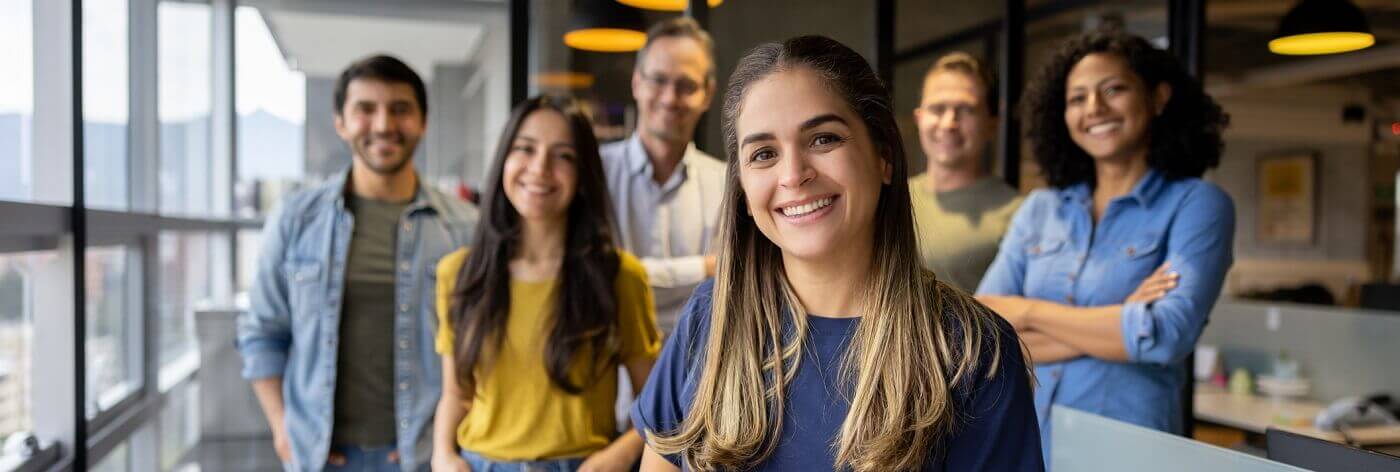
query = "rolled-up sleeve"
{"x": 1200, "y": 248}
{"x": 264, "y": 331}
{"x": 675, "y": 271}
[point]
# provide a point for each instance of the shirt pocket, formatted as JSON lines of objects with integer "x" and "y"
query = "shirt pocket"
{"x": 1137, "y": 258}
{"x": 1043, "y": 257}
{"x": 1145, "y": 246}
{"x": 305, "y": 287}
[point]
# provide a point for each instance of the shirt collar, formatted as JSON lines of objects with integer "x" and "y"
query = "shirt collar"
{"x": 1148, "y": 188}
{"x": 637, "y": 160}
{"x": 422, "y": 199}
{"x": 640, "y": 163}
{"x": 1144, "y": 192}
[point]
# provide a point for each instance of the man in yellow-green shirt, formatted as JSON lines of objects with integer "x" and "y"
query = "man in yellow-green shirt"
{"x": 961, "y": 211}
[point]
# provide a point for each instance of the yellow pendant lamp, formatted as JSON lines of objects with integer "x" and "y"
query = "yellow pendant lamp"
{"x": 605, "y": 26}
{"x": 665, "y": 5}
{"x": 1322, "y": 27}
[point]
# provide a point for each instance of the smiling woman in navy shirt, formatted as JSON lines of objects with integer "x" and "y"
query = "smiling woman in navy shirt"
{"x": 1123, "y": 135}
{"x": 822, "y": 344}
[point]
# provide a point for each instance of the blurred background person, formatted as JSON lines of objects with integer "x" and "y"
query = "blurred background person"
{"x": 1123, "y": 135}
{"x": 537, "y": 315}
{"x": 960, "y": 209}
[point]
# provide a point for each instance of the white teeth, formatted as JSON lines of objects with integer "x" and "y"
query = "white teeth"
{"x": 804, "y": 209}
{"x": 536, "y": 189}
{"x": 1103, "y": 128}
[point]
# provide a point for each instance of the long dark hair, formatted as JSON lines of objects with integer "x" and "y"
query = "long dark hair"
{"x": 585, "y": 316}
{"x": 918, "y": 337}
{"x": 1185, "y": 138}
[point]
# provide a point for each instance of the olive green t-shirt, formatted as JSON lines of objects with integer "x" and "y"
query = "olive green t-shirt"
{"x": 959, "y": 230}
{"x": 364, "y": 383}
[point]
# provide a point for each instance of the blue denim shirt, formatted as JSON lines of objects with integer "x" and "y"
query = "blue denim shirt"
{"x": 292, "y": 328}
{"x": 1053, "y": 251}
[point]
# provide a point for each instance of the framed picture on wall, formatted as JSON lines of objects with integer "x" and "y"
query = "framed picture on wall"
{"x": 1287, "y": 198}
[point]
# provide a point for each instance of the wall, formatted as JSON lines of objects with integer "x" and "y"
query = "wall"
{"x": 1266, "y": 122}
{"x": 448, "y": 148}
{"x": 1342, "y": 351}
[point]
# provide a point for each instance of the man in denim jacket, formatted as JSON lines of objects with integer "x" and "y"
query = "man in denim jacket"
{"x": 338, "y": 342}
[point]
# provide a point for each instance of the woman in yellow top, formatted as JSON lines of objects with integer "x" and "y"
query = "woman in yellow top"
{"x": 535, "y": 320}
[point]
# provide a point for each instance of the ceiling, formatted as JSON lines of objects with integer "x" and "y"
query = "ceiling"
{"x": 321, "y": 37}
{"x": 321, "y": 45}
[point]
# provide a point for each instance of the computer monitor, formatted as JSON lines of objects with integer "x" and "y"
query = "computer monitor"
{"x": 1325, "y": 456}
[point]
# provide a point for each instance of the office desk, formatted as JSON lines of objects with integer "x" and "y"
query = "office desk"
{"x": 1254, "y": 414}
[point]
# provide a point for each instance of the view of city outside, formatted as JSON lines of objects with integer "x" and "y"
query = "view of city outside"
{"x": 185, "y": 96}
{"x": 119, "y": 460}
{"x": 19, "y": 275}
{"x": 16, "y": 100}
{"x": 105, "y": 104}
{"x": 112, "y": 372}
{"x": 271, "y": 116}
{"x": 185, "y": 282}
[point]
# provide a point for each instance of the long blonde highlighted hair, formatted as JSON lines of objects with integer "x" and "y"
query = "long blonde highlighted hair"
{"x": 918, "y": 337}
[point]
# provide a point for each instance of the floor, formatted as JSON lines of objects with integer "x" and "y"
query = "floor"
{"x": 231, "y": 455}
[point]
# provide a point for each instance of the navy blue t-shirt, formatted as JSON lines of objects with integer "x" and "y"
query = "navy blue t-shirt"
{"x": 998, "y": 429}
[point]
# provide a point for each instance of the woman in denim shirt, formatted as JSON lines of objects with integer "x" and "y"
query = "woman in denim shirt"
{"x": 1122, "y": 134}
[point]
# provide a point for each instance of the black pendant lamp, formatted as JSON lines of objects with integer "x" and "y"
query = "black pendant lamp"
{"x": 1322, "y": 27}
{"x": 605, "y": 26}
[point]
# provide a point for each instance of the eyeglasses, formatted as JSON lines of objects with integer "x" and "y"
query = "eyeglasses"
{"x": 683, "y": 87}
{"x": 960, "y": 112}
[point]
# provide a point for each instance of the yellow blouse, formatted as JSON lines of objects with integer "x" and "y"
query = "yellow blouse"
{"x": 516, "y": 412}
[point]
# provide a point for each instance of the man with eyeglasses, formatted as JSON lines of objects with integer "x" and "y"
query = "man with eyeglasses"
{"x": 961, "y": 211}
{"x": 666, "y": 193}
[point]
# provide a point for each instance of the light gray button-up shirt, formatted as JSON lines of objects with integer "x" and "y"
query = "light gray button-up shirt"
{"x": 671, "y": 226}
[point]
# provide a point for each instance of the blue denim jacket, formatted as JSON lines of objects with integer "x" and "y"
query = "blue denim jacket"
{"x": 1053, "y": 251}
{"x": 292, "y": 328}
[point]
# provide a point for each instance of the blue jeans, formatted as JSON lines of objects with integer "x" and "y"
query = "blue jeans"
{"x": 482, "y": 464}
{"x": 365, "y": 459}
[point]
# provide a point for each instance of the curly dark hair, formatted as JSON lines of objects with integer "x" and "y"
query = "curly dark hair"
{"x": 1185, "y": 138}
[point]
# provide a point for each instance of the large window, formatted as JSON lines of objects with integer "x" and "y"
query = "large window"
{"x": 17, "y": 100}
{"x": 106, "y": 169}
{"x": 271, "y": 115}
{"x": 184, "y": 103}
{"x": 249, "y": 244}
{"x": 185, "y": 284}
{"x": 118, "y": 460}
{"x": 19, "y": 275}
{"x": 113, "y": 326}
